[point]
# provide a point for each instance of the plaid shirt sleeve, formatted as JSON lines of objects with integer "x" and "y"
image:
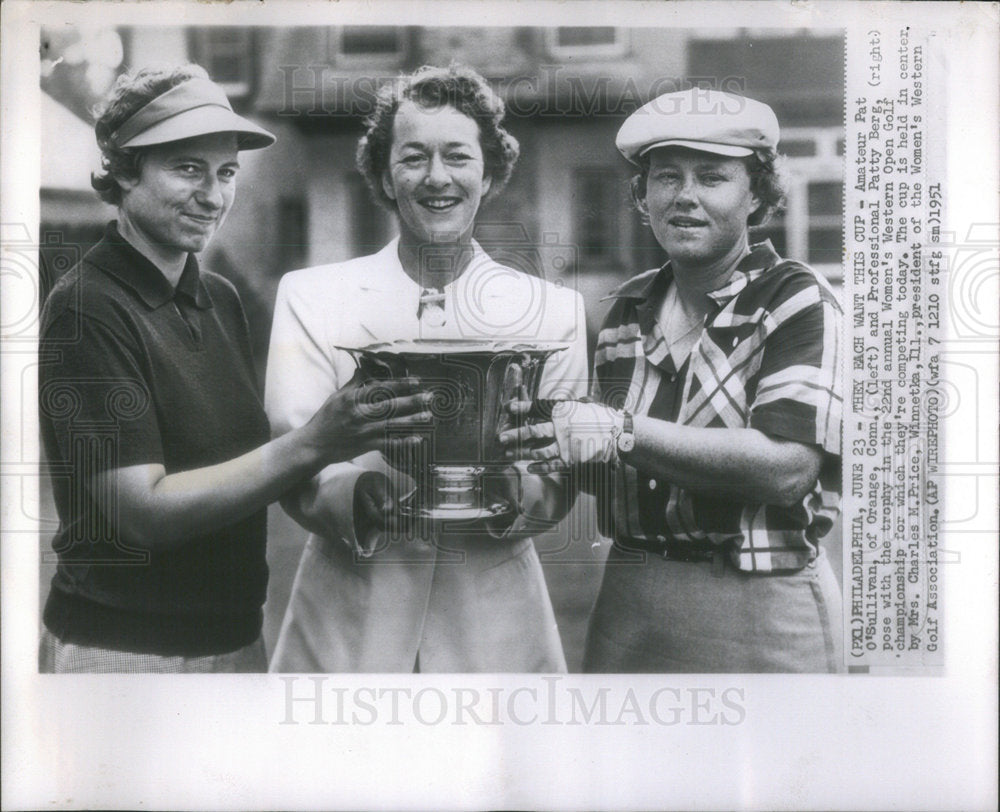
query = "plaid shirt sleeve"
{"x": 797, "y": 393}
{"x": 769, "y": 359}
{"x": 788, "y": 369}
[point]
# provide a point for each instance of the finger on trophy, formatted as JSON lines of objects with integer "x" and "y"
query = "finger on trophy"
{"x": 549, "y": 466}
{"x": 527, "y": 442}
{"x": 541, "y": 408}
{"x": 403, "y": 387}
{"x": 517, "y": 399}
{"x": 514, "y": 390}
{"x": 508, "y": 390}
{"x": 417, "y": 423}
{"x": 518, "y": 408}
{"x": 512, "y": 440}
{"x": 537, "y": 409}
{"x": 407, "y": 524}
{"x": 406, "y": 452}
{"x": 543, "y": 452}
{"x": 513, "y": 381}
{"x": 532, "y": 431}
{"x": 390, "y": 399}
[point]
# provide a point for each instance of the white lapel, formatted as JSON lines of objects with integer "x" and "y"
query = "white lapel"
{"x": 387, "y": 298}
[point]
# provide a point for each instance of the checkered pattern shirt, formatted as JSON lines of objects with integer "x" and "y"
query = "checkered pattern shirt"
{"x": 768, "y": 358}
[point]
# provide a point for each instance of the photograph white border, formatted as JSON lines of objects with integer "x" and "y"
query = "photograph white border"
{"x": 907, "y": 742}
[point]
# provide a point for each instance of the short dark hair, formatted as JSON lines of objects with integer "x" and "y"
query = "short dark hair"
{"x": 431, "y": 87}
{"x": 764, "y": 168}
{"x": 130, "y": 93}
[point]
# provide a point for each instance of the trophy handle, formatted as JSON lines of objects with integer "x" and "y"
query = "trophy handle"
{"x": 377, "y": 366}
{"x": 521, "y": 379}
{"x": 510, "y": 388}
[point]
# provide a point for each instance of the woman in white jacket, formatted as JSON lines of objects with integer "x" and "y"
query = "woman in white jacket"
{"x": 464, "y": 600}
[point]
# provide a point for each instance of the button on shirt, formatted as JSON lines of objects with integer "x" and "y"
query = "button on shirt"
{"x": 767, "y": 357}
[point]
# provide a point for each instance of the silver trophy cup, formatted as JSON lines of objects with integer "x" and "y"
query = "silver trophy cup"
{"x": 471, "y": 382}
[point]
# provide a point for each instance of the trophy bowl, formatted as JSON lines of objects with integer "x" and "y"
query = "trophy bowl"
{"x": 471, "y": 381}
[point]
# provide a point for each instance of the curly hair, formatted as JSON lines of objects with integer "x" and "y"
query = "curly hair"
{"x": 130, "y": 93}
{"x": 432, "y": 87}
{"x": 764, "y": 168}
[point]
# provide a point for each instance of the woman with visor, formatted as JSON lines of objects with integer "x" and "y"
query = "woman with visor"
{"x": 151, "y": 417}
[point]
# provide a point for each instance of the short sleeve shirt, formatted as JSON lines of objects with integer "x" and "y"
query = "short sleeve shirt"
{"x": 768, "y": 358}
{"x": 135, "y": 372}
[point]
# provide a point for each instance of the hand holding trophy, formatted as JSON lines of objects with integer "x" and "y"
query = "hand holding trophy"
{"x": 458, "y": 465}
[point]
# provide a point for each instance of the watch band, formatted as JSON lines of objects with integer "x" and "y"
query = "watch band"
{"x": 626, "y": 438}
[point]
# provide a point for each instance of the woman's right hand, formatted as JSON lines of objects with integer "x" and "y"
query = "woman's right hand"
{"x": 576, "y": 433}
{"x": 369, "y": 415}
{"x": 379, "y": 502}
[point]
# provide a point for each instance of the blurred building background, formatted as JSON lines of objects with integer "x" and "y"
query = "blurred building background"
{"x": 565, "y": 214}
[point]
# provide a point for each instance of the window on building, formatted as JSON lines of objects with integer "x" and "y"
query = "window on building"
{"x": 227, "y": 54}
{"x": 811, "y": 226}
{"x": 367, "y": 42}
{"x": 774, "y": 230}
{"x": 597, "y": 206}
{"x": 646, "y": 251}
{"x": 798, "y": 147}
{"x": 371, "y": 225}
{"x": 293, "y": 228}
{"x": 587, "y": 41}
{"x": 801, "y": 77}
{"x": 825, "y": 201}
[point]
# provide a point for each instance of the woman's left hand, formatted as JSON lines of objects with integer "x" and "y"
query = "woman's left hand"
{"x": 579, "y": 432}
{"x": 504, "y": 487}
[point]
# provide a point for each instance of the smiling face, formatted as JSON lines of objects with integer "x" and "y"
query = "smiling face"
{"x": 183, "y": 192}
{"x": 698, "y": 204}
{"x": 435, "y": 173}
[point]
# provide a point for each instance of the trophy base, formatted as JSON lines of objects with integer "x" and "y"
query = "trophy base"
{"x": 445, "y": 514}
{"x": 456, "y": 495}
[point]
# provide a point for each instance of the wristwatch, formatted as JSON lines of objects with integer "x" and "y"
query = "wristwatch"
{"x": 625, "y": 441}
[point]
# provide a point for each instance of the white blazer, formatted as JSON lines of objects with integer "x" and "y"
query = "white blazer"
{"x": 463, "y": 601}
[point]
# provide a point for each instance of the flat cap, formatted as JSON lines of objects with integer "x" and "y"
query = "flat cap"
{"x": 195, "y": 107}
{"x": 705, "y": 120}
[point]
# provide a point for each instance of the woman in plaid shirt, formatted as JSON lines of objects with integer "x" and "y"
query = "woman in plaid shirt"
{"x": 715, "y": 445}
